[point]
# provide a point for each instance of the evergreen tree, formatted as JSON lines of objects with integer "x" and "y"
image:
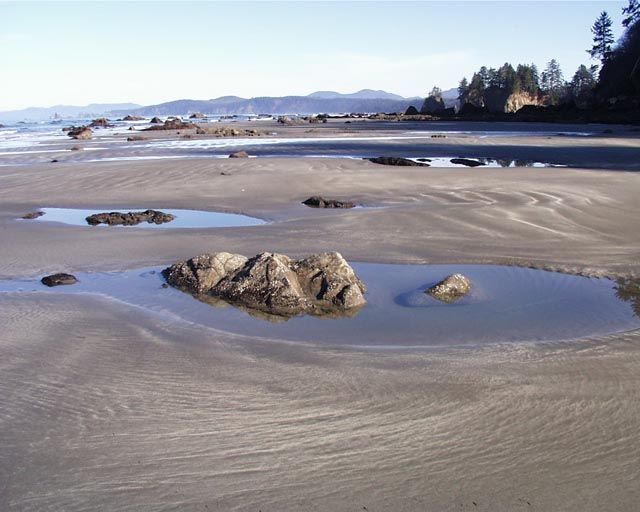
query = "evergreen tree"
{"x": 463, "y": 91}
{"x": 552, "y": 82}
{"x": 436, "y": 92}
{"x": 476, "y": 90}
{"x": 602, "y": 37}
{"x": 582, "y": 85}
{"x": 631, "y": 13}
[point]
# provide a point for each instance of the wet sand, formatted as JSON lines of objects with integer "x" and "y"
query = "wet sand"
{"x": 109, "y": 407}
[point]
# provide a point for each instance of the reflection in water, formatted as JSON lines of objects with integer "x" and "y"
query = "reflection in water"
{"x": 628, "y": 290}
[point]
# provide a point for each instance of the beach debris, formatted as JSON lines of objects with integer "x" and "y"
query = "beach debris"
{"x": 129, "y": 218}
{"x": 322, "y": 284}
{"x": 451, "y": 289}
{"x": 32, "y": 215}
{"x": 58, "y": 279}
{"x": 467, "y": 162}
{"x": 322, "y": 202}
{"x": 239, "y": 154}
{"x": 392, "y": 160}
{"x": 80, "y": 132}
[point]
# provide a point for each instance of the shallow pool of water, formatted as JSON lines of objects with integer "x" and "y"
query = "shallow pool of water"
{"x": 507, "y": 304}
{"x": 183, "y": 218}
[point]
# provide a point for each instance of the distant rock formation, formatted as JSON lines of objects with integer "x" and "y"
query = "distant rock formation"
{"x": 321, "y": 202}
{"x": 129, "y": 218}
{"x": 156, "y": 120}
{"x": 433, "y": 105}
{"x": 133, "y": 118}
{"x": 197, "y": 115}
{"x": 102, "y": 122}
{"x": 412, "y": 111}
{"x": 322, "y": 285}
{"x": 450, "y": 289}
{"x": 58, "y": 279}
{"x": 172, "y": 124}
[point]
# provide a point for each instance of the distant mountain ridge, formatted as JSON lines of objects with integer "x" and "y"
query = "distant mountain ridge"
{"x": 68, "y": 111}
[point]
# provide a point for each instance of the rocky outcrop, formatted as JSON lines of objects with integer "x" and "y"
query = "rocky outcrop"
{"x": 322, "y": 202}
{"x": 172, "y": 124}
{"x": 392, "y": 160}
{"x": 102, "y": 122}
{"x": 450, "y": 289}
{"x": 32, "y": 215}
{"x": 58, "y": 279}
{"x": 500, "y": 101}
{"x": 322, "y": 284}
{"x": 433, "y": 105}
{"x": 80, "y": 132}
{"x": 133, "y": 118}
{"x": 129, "y": 218}
{"x": 412, "y": 111}
{"x": 156, "y": 120}
{"x": 466, "y": 162}
{"x": 239, "y": 154}
{"x": 197, "y": 115}
{"x": 227, "y": 131}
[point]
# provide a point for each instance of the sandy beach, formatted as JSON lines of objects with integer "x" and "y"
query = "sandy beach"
{"x": 106, "y": 406}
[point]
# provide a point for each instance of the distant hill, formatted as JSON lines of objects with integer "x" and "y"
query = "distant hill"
{"x": 366, "y": 100}
{"x": 64, "y": 111}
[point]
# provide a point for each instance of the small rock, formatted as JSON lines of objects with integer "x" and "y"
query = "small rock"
{"x": 392, "y": 160}
{"x": 450, "y": 289}
{"x": 321, "y": 202}
{"x": 76, "y": 148}
{"x": 58, "y": 279}
{"x": 239, "y": 154}
{"x": 467, "y": 162}
{"x": 32, "y": 215}
{"x": 135, "y": 138}
{"x": 55, "y": 160}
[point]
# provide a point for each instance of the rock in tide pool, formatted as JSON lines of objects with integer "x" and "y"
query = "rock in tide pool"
{"x": 239, "y": 154}
{"x": 58, "y": 279}
{"x": 450, "y": 289}
{"x": 322, "y": 202}
{"x": 32, "y": 215}
{"x": 129, "y": 218}
{"x": 392, "y": 160}
{"x": 322, "y": 284}
{"x": 467, "y": 162}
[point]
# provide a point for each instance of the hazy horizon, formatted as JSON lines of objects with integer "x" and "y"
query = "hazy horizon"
{"x": 150, "y": 52}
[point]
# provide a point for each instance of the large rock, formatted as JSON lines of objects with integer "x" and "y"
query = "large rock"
{"x": 433, "y": 105}
{"x": 80, "y": 132}
{"x": 156, "y": 120}
{"x": 322, "y": 284}
{"x": 133, "y": 118}
{"x": 467, "y": 162}
{"x": 450, "y": 289}
{"x": 239, "y": 154}
{"x": 322, "y": 202}
{"x": 58, "y": 279}
{"x": 392, "y": 160}
{"x": 102, "y": 122}
{"x": 129, "y": 218}
{"x": 411, "y": 111}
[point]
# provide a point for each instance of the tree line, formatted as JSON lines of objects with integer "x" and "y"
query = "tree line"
{"x": 616, "y": 76}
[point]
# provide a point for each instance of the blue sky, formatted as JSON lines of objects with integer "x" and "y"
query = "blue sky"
{"x": 149, "y": 52}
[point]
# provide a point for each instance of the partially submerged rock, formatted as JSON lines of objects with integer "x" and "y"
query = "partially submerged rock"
{"x": 80, "y": 132}
{"x": 467, "y": 162}
{"x": 450, "y": 289}
{"x": 322, "y": 202}
{"x": 239, "y": 154}
{"x": 197, "y": 115}
{"x": 156, "y": 120}
{"x": 392, "y": 160}
{"x": 129, "y": 218}
{"x": 322, "y": 284}
{"x": 58, "y": 279}
{"x": 32, "y": 215}
{"x": 133, "y": 118}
